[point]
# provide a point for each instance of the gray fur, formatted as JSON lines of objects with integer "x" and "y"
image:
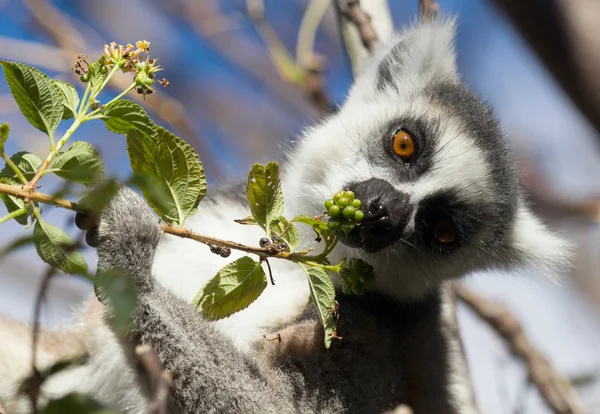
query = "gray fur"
{"x": 360, "y": 374}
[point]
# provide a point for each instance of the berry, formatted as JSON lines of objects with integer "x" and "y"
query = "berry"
{"x": 84, "y": 78}
{"x": 358, "y": 216}
{"x": 103, "y": 70}
{"x": 349, "y": 194}
{"x": 356, "y": 203}
{"x": 225, "y": 252}
{"x": 347, "y": 227}
{"x": 334, "y": 211}
{"x": 336, "y": 197}
{"x": 349, "y": 212}
{"x": 343, "y": 201}
{"x": 334, "y": 224}
{"x": 329, "y": 203}
{"x": 264, "y": 242}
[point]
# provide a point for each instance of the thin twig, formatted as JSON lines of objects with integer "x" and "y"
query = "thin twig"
{"x": 30, "y": 194}
{"x": 428, "y": 9}
{"x": 33, "y": 392}
{"x": 362, "y": 21}
{"x": 159, "y": 380}
{"x": 564, "y": 34}
{"x": 556, "y": 389}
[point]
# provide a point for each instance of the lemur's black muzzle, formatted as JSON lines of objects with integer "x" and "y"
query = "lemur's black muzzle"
{"x": 387, "y": 212}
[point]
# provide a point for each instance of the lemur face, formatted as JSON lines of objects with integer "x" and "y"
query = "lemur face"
{"x": 427, "y": 158}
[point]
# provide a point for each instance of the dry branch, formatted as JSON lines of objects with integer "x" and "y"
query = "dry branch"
{"x": 556, "y": 389}
{"x": 566, "y": 37}
{"x": 428, "y": 9}
{"x": 158, "y": 380}
{"x": 362, "y": 21}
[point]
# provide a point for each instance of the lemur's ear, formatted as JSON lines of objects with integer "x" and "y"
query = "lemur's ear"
{"x": 412, "y": 60}
{"x": 532, "y": 243}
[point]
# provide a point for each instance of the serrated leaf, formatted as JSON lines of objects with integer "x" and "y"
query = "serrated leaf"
{"x": 96, "y": 77}
{"x": 311, "y": 221}
{"x": 26, "y": 162}
{"x": 56, "y": 248}
{"x": 70, "y": 98}
{"x": 75, "y": 403}
{"x": 121, "y": 296}
{"x": 322, "y": 293}
{"x": 99, "y": 196}
{"x": 39, "y": 99}
{"x": 247, "y": 221}
{"x": 4, "y": 131}
{"x": 80, "y": 163}
{"x": 155, "y": 194}
{"x": 123, "y": 116}
{"x": 13, "y": 203}
{"x": 291, "y": 236}
{"x": 175, "y": 166}
{"x": 234, "y": 288}
{"x": 264, "y": 194}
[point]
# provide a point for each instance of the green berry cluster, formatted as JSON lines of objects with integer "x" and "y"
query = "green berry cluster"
{"x": 356, "y": 275}
{"x": 344, "y": 211}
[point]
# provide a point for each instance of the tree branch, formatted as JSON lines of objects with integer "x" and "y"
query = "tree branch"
{"x": 429, "y": 9}
{"x": 556, "y": 389}
{"x": 565, "y": 36}
{"x": 159, "y": 380}
{"x": 32, "y": 195}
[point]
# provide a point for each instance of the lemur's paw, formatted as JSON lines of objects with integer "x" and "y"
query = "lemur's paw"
{"x": 126, "y": 219}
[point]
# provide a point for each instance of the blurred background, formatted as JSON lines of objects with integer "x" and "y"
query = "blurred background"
{"x": 229, "y": 101}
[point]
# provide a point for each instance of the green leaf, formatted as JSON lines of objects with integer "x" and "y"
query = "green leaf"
{"x": 39, "y": 99}
{"x": 156, "y": 195}
{"x": 176, "y": 168}
{"x": 99, "y": 196}
{"x": 318, "y": 225}
{"x": 96, "y": 76}
{"x": 13, "y": 203}
{"x": 26, "y": 162}
{"x": 80, "y": 163}
{"x": 234, "y": 288}
{"x": 264, "y": 194}
{"x": 123, "y": 116}
{"x": 356, "y": 276}
{"x": 4, "y": 131}
{"x": 119, "y": 292}
{"x": 70, "y": 98}
{"x": 75, "y": 403}
{"x": 322, "y": 293}
{"x": 57, "y": 248}
{"x": 291, "y": 236}
{"x": 247, "y": 221}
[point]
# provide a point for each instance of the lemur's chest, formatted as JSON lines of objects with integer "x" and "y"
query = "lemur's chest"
{"x": 389, "y": 354}
{"x": 184, "y": 266}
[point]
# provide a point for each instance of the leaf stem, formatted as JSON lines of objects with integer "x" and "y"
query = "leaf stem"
{"x": 92, "y": 115}
{"x": 83, "y": 103}
{"x": 14, "y": 168}
{"x": 76, "y": 123}
{"x": 14, "y": 214}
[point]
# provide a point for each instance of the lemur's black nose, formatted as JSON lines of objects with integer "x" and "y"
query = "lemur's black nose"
{"x": 386, "y": 210}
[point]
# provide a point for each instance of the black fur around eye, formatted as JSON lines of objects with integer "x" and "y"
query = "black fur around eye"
{"x": 438, "y": 229}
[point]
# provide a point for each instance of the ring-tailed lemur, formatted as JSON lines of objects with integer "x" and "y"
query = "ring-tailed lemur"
{"x": 441, "y": 198}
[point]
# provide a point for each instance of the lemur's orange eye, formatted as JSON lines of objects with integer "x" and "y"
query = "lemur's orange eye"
{"x": 444, "y": 231}
{"x": 404, "y": 145}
